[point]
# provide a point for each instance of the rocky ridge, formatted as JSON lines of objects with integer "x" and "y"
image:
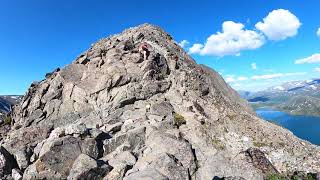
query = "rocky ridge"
{"x": 113, "y": 115}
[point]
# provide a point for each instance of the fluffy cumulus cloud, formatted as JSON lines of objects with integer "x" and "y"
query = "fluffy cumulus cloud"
{"x": 195, "y": 49}
{"x": 318, "y": 32}
{"x": 233, "y": 39}
{"x": 279, "y": 25}
{"x": 315, "y": 58}
{"x": 276, "y": 75}
{"x": 254, "y": 66}
{"x": 184, "y": 43}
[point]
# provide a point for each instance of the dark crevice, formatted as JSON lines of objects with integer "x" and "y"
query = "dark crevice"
{"x": 99, "y": 139}
{"x": 127, "y": 102}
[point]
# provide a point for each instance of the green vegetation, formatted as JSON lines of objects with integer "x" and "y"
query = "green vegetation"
{"x": 217, "y": 143}
{"x": 276, "y": 177}
{"x": 178, "y": 119}
{"x": 7, "y": 120}
{"x": 259, "y": 144}
{"x": 231, "y": 115}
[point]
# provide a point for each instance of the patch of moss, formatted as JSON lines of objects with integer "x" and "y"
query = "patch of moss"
{"x": 276, "y": 177}
{"x": 259, "y": 144}
{"x": 7, "y": 120}
{"x": 308, "y": 176}
{"x": 217, "y": 143}
{"x": 232, "y": 115}
{"x": 178, "y": 119}
{"x": 311, "y": 177}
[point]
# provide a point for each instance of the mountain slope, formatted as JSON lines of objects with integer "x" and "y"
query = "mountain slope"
{"x": 5, "y": 104}
{"x": 113, "y": 114}
{"x": 296, "y": 97}
{"x": 302, "y": 105}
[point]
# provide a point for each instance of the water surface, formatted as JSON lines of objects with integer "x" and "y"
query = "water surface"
{"x": 304, "y": 127}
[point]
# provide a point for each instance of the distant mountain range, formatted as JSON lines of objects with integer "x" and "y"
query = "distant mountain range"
{"x": 296, "y": 97}
{"x": 6, "y": 102}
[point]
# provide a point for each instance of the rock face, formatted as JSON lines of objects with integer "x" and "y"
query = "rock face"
{"x": 113, "y": 114}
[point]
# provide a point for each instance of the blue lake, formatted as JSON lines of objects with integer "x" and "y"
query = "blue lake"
{"x": 304, "y": 127}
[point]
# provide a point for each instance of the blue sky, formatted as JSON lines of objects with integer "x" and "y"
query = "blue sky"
{"x": 38, "y": 36}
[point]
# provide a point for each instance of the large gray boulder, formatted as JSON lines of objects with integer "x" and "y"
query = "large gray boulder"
{"x": 85, "y": 167}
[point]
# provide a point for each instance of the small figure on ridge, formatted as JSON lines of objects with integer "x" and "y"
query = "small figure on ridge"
{"x": 144, "y": 49}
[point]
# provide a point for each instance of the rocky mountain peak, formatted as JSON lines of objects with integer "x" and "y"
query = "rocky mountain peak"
{"x": 136, "y": 105}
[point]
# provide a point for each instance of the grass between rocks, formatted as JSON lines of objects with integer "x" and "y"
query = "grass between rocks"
{"x": 276, "y": 177}
{"x": 259, "y": 144}
{"x": 7, "y": 120}
{"x": 217, "y": 143}
{"x": 178, "y": 119}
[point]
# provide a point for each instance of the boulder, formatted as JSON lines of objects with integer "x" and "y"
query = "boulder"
{"x": 260, "y": 161}
{"x": 118, "y": 172}
{"x": 58, "y": 155}
{"x": 85, "y": 167}
{"x": 16, "y": 174}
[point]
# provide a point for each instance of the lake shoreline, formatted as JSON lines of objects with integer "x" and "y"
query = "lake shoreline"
{"x": 276, "y": 108}
{"x": 303, "y": 126}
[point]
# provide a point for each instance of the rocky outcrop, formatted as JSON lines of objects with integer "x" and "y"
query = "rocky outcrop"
{"x": 115, "y": 114}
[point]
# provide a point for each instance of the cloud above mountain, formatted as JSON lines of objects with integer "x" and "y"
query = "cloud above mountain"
{"x": 280, "y": 24}
{"x": 318, "y": 32}
{"x": 183, "y": 43}
{"x": 315, "y": 58}
{"x": 276, "y": 75}
{"x": 232, "y": 78}
{"x": 230, "y": 41}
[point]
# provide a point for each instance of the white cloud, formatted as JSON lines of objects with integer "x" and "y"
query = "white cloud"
{"x": 317, "y": 69}
{"x": 183, "y": 43}
{"x": 318, "y": 32}
{"x": 242, "y": 78}
{"x": 233, "y": 39}
{"x": 236, "y": 85}
{"x": 254, "y": 66}
{"x": 267, "y": 76}
{"x": 276, "y": 75}
{"x": 195, "y": 49}
{"x": 279, "y": 25}
{"x": 315, "y": 58}
{"x": 295, "y": 74}
{"x": 230, "y": 79}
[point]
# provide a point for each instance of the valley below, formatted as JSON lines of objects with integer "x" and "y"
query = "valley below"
{"x": 304, "y": 127}
{"x": 295, "y": 98}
